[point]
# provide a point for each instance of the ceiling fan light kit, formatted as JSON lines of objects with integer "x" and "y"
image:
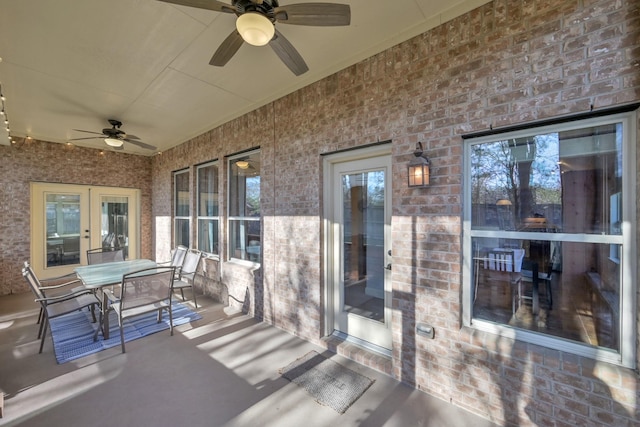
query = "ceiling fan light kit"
{"x": 256, "y": 20}
{"x": 113, "y": 142}
{"x": 114, "y": 137}
{"x": 255, "y": 29}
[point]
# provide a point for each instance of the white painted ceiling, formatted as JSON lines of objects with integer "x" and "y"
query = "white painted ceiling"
{"x": 74, "y": 64}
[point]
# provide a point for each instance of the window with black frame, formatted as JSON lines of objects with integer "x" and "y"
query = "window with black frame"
{"x": 245, "y": 234}
{"x": 545, "y": 243}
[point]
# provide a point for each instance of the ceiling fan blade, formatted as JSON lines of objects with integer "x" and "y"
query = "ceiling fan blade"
{"x": 129, "y": 136}
{"x": 88, "y": 131}
{"x": 316, "y": 14}
{"x": 140, "y": 144}
{"x": 90, "y": 137}
{"x": 288, "y": 54}
{"x": 227, "y": 49}
{"x": 204, "y": 4}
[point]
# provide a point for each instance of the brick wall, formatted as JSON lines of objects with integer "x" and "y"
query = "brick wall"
{"x": 37, "y": 161}
{"x": 508, "y": 62}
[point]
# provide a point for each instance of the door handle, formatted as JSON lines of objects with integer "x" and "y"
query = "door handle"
{"x": 388, "y": 267}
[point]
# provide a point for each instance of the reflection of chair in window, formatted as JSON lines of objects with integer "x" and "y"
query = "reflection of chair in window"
{"x": 497, "y": 271}
{"x": 531, "y": 273}
{"x": 253, "y": 250}
{"x": 54, "y": 250}
{"x": 70, "y": 247}
{"x": 107, "y": 242}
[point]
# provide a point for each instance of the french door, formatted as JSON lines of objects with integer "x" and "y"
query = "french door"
{"x": 358, "y": 218}
{"x": 67, "y": 220}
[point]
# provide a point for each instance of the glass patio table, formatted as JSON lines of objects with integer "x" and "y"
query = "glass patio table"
{"x": 97, "y": 276}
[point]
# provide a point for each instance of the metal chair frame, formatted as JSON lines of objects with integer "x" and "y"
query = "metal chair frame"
{"x": 142, "y": 292}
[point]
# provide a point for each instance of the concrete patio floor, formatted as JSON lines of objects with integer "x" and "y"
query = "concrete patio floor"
{"x": 222, "y": 370}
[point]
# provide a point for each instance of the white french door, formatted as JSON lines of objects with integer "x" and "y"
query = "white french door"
{"x": 358, "y": 222}
{"x": 67, "y": 220}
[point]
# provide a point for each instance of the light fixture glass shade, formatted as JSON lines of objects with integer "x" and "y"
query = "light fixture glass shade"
{"x": 419, "y": 168}
{"x": 242, "y": 164}
{"x": 419, "y": 172}
{"x": 113, "y": 142}
{"x": 255, "y": 29}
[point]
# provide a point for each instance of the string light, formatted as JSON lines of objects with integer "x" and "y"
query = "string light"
{"x": 4, "y": 114}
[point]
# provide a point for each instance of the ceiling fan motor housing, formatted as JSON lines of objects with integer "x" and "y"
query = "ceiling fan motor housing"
{"x": 265, "y": 7}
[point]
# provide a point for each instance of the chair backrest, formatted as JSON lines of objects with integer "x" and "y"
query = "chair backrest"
{"x": 107, "y": 242}
{"x": 146, "y": 287}
{"x": 177, "y": 259}
{"x": 509, "y": 260}
{"x": 101, "y": 256}
{"x": 32, "y": 280}
{"x": 191, "y": 262}
{"x": 500, "y": 261}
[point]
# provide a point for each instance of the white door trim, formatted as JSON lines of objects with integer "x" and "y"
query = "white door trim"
{"x": 332, "y": 228}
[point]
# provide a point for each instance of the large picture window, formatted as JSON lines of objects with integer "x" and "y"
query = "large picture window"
{"x": 182, "y": 212}
{"x": 245, "y": 234}
{"x": 549, "y": 221}
{"x": 208, "y": 216}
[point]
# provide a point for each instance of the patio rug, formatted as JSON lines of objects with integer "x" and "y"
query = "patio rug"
{"x": 73, "y": 333}
{"x": 330, "y": 383}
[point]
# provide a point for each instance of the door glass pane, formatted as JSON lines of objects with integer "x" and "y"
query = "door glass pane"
{"x": 363, "y": 237}
{"x": 114, "y": 223}
{"x": 63, "y": 229}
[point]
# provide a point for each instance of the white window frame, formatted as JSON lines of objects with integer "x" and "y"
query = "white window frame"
{"x": 215, "y": 218}
{"x": 231, "y": 219}
{"x": 176, "y": 217}
{"x": 628, "y": 254}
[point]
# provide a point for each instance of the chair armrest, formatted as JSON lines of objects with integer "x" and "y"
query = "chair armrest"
{"x": 188, "y": 277}
{"x": 63, "y": 277}
{"x": 110, "y": 295}
{"x": 65, "y": 297}
{"x": 66, "y": 277}
{"x": 61, "y": 285}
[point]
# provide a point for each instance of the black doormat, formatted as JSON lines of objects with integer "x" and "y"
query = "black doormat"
{"x": 329, "y": 383}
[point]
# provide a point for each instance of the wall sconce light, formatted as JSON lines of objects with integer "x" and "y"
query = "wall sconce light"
{"x": 419, "y": 168}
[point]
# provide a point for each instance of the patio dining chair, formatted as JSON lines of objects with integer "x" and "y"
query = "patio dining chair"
{"x": 142, "y": 292}
{"x": 177, "y": 257}
{"x": 104, "y": 255}
{"x": 186, "y": 275}
{"x": 55, "y": 287}
{"x": 499, "y": 270}
{"x": 60, "y": 305}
